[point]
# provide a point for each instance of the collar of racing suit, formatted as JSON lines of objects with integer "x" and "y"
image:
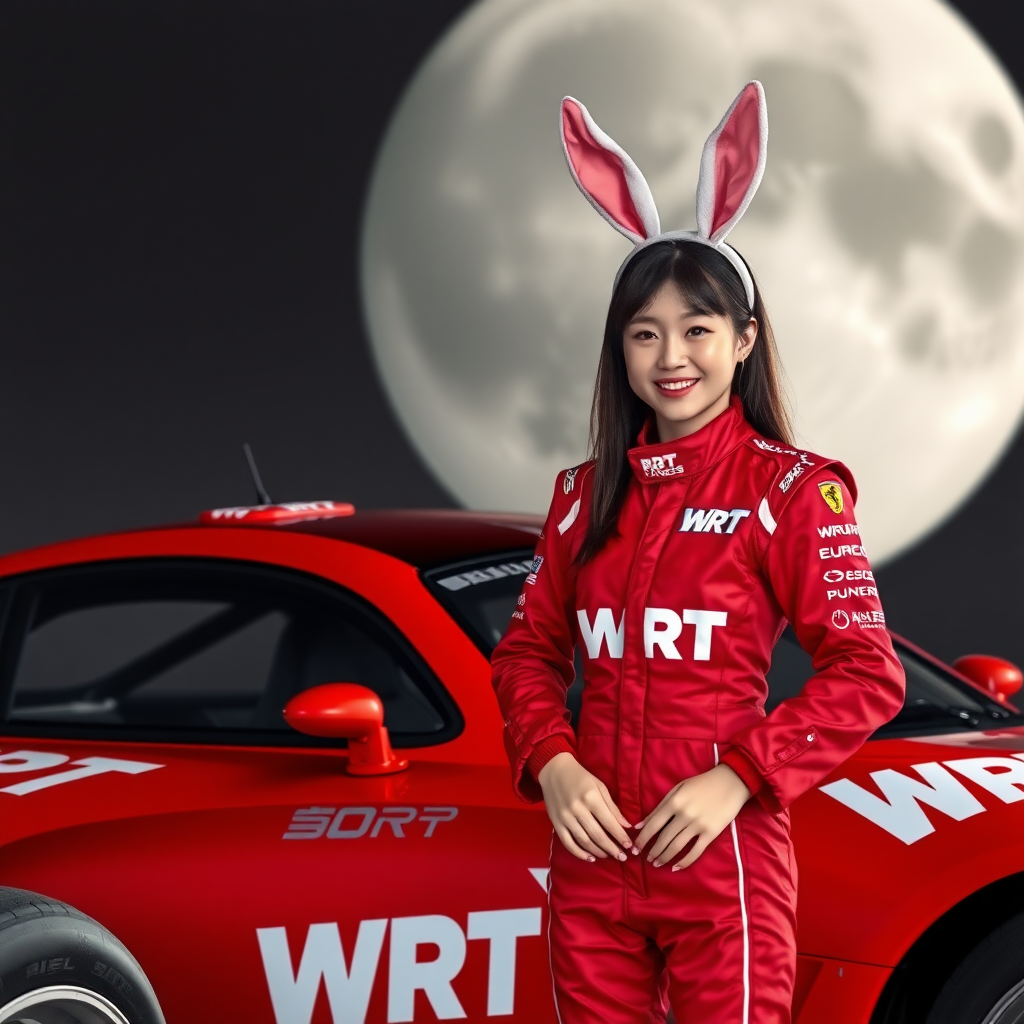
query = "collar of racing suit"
{"x": 654, "y": 463}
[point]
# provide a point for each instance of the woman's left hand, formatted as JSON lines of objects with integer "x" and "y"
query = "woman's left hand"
{"x": 701, "y": 806}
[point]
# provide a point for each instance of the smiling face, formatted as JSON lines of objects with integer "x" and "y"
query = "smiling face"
{"x": 681, "y": 361}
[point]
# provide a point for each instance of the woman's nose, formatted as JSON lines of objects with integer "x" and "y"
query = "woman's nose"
{"x": 673, "y": 352}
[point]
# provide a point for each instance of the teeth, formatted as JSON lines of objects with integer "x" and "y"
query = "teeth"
{"x": 676, "y": 385}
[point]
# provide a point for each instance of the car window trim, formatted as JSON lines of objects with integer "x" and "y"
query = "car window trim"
{"x": 23, "y": 592}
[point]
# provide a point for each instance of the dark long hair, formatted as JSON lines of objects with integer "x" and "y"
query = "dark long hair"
{"x": 708, "y": 284}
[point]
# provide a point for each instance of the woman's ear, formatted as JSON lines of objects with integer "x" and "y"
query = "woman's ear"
{"x": 745, "y": 341}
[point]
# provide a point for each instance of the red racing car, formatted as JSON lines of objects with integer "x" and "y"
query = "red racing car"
{"x": 174, "y": 848}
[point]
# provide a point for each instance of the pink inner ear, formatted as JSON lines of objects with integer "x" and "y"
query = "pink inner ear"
{"x": 736, "y": 153}
{"x": 599, "y": 171}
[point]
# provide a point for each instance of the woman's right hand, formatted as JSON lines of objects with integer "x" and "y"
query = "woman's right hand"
{"x": 582, "y": 811}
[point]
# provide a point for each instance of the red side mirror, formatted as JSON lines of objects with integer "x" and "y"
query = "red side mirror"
{"x": 352, "y": 712}
{"x": 1001, "y": 678}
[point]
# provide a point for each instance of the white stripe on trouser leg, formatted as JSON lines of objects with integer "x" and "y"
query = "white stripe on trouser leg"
{"x": 551, "y": 966}
{"x": 743, "y": 916}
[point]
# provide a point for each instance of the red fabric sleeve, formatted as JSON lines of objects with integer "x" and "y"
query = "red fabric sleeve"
{"x": 545, "y": 750}
{"x": 532, "y": 666}
{"x": 823, "y": 582}
{"x": 744, "y": 768}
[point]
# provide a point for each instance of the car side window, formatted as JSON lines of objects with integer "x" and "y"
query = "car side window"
{"x": 204, "y": 649}
{"x": 935, "y": 702}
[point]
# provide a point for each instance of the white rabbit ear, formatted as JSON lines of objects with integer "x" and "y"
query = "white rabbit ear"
{"x": 732, "y": 164}
{"x": 606, "y": 175}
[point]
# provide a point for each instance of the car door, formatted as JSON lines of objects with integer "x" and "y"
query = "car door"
{"x": 251, "y": 876}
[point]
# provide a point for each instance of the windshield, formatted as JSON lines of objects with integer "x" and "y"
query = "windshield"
{"x": 481, "y": 595}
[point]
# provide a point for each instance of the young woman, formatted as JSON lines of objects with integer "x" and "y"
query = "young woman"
{"x": 674, "y": 559}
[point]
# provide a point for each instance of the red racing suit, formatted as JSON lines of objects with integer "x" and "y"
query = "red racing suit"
{"x": 723, "y": 536}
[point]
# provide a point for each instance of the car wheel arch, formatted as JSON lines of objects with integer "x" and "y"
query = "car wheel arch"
{"x": 923, "y": 969}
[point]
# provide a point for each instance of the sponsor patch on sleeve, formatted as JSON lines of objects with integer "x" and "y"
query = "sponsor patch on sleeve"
{"x": 833, "y": 495}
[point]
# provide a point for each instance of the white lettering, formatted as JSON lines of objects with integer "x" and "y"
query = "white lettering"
{"x": 293, "y": 995}
{"x": 309, "y": 823}
{"x": 838, "y": 529}
{"x": 900, "y": 813}
{"x": 852, "y": 592}
{"x": 718, "y": 517}
{"x": 233, "y": 513}
{"x": 844, "y": 550}
{"x": 661, "y": 465}
{"x": 604, "y": 630}
{"x": 337, "y": 832}
{"x": 502, "y": 928}
{"x": 869, "y": 620}
{"x": 773, "y": 448}
{"x": 406, "y": 974}
{"x": 30, "y": 760}
{"x": 348, "y": 991}
{"x": 787, "y": 480}
{"x": 695, "y": 519}
{"x": 435, "y": 814}
{"x": 736, "y": 515}
{"x": 90, "y": 766}
{"x": 492, "y": 572}
{"x": 711, "y": 520}
{"x": 394, "y": 818}
{"x": 705, "y": 621}
{"x": 664, "y": 638}
{"x": 838, "y": 575}
{"x": 1002, "y": 784}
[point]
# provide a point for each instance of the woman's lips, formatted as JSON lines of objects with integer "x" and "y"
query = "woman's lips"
{"x": 675, "y": 387}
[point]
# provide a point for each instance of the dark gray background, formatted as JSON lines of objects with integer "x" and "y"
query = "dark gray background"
{"x": 181, "y": 186}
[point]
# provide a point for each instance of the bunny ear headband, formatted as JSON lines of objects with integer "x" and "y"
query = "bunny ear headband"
{"x": 730, "y": 171}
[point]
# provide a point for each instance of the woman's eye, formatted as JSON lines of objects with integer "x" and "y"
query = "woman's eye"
{"x": 644, "y": 335}
{"x": 698, "y": 332}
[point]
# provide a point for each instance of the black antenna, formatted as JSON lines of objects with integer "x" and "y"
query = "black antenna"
{"x": 261, "y": 494}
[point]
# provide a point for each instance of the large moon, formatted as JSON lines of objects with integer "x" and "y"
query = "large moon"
{"x": 886, "y": 235}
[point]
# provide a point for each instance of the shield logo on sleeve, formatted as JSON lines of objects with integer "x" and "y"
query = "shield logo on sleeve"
{"x": 833, "y": 495}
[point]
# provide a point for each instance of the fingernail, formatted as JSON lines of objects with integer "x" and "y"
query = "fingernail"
{"x": 634, "y": 851}
{"x": 589, "y": 858}
{"x": 621, "y": 856}
{"x": 657, "y": 863}
{"x": 677, "y": 867}
{"x": 626, "y": 843}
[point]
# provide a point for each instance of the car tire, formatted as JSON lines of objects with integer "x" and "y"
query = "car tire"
{"x": 988, "y": 986}
{"x": 58, "y": 966}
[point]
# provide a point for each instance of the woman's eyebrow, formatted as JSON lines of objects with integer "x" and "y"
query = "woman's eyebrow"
{"x": 687, "y": 314}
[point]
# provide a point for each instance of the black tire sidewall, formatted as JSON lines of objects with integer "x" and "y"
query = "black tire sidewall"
{"x": 71, "y": 949}
{"x": 985, "y": 975}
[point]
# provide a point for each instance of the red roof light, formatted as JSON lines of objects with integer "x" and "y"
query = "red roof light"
{"x": 276, "y": 515}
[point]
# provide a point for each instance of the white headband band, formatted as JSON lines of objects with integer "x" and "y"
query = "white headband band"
{"x": 731, "y": 167}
